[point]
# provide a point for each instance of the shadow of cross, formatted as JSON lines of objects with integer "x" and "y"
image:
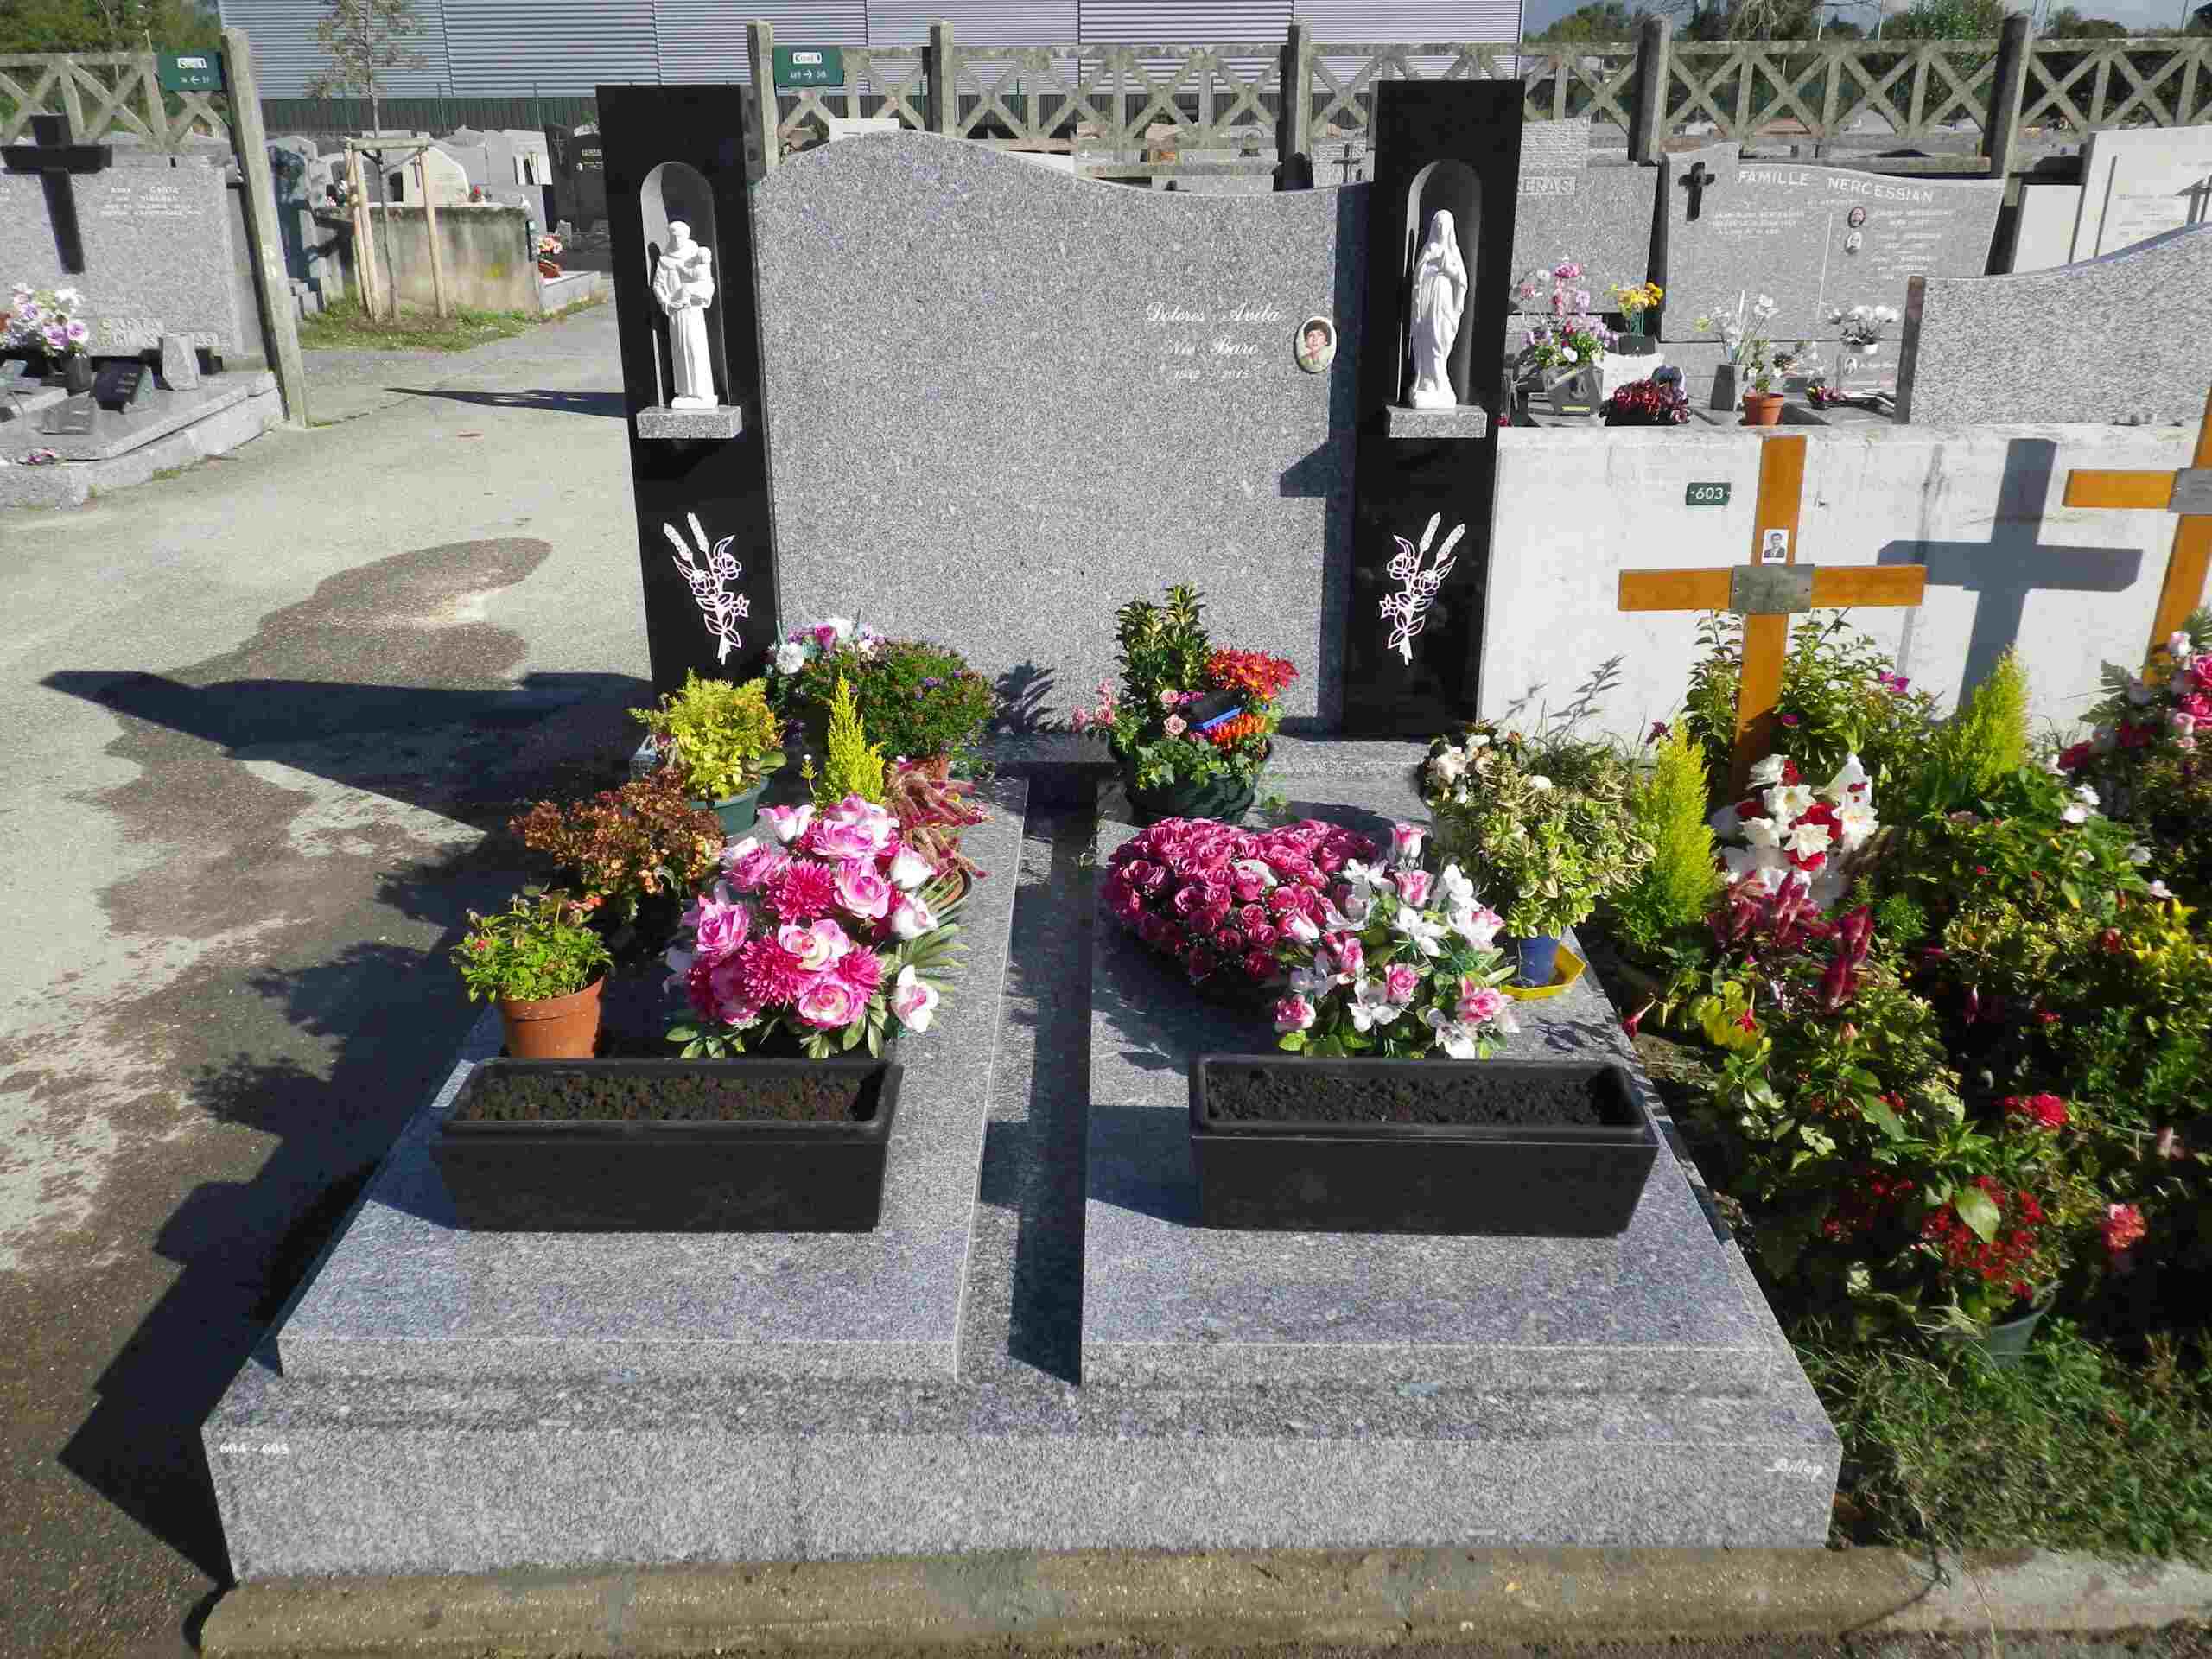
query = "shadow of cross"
{"x": 54, "y": 158}
{"x": 2013, "y": 562}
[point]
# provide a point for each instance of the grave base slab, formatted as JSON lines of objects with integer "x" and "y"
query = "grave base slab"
{"x": 432, "y": 1469}
{"x": 249, "y": 408}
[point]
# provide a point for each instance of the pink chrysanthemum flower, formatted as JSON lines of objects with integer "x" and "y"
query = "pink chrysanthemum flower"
{"x": 860, "y": 969}
{"x": 772, "y": 976}
{"x": 803, "y": 892}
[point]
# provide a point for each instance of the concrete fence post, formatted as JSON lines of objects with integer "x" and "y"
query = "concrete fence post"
{"x": 2008, "y": 88}
{"x": 945, "y": 79}
{"x": 1655, "y": 37}
{"x": 767, "y": 115}
{"x": 280, "y": 332}
{"x": 1294, "y": 125}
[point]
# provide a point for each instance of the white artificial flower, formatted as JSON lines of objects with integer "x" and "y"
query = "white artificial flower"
{"x": 2051, "y": 768}
{"x": 1538, "y": 782}
{"x": 1454, "y": 1039}
{"x": 2075, "y": 813}
{"x": 1448, "y": 767}
{"x": 1787, "y": 803}
{"x": 791, "y": 657}
{"x": 2160, "y": 890}
{"x": 1478, "y": 924}
{"x": 1371, "y": 1005}
{"x": 1768, "y": 770}
{"x": 1427, "y": 936}
{"x": 2139, "y": 854}
{"x": 912, "y": 917}
{"x": 1455, "y": 889}
{"x": 2087, "y": 796}
{"x": 1850, "y": 776}
{"x": 1300, "y": 927}
{"x": 1763, "y": 832}
{"x": 1311, "y": 981}
{"x": 840, "y": 626}
{"x": 1806, "y": 839}
{"x": 1857, "y": 824}
{"x": 910, "y": 869}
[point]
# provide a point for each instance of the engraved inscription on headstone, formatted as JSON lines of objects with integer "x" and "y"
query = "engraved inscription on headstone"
{"x": 1598, "y": 215}
{"x": 1817, "y": 238}
{"x": 2138, "y": 185}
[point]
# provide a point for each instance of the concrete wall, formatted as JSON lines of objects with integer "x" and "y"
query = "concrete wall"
{"x": 489, "y": 259}
{"x": 1980, "y": 507}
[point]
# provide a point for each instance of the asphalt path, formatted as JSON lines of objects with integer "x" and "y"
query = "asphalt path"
{"x": 255, "y": 720}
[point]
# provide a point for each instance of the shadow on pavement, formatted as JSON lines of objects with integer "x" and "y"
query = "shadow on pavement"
{"x": 607, "y": 404}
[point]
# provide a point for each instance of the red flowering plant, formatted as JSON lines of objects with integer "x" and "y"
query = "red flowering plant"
{"x": 1187, "y": 710}
{"x": 1223, "y": 903}
{"x": 2150, "y": 755}
{"x": 829, "y": 926}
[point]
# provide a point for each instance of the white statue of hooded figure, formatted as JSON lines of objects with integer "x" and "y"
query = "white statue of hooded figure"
{"x": 1439, "y": 296}
{"x": 683, "y": 282}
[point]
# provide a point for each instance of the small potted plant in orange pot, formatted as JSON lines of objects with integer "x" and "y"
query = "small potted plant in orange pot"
{"x": 544, "y": 968}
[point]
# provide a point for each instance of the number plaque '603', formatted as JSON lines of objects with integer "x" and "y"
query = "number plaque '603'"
{"x": 1706, "y": 495}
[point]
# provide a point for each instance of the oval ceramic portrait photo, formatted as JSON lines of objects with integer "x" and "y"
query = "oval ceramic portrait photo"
{"x": 1316, "y": 344}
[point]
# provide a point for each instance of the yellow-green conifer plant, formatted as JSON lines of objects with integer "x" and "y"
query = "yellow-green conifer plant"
{"x": 1987, "y": 739}
{"x": 852, "y": 764}
{"x": 1678, "y": 888}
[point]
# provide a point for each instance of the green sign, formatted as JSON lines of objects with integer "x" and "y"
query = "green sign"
{"x": 810, "y": 66}
{"x": 1706, "y": 495}
{"x": 192, "y": 71}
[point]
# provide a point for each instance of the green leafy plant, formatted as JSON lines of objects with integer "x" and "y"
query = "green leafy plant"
{"x": 919, "y": 700}
{"x": 540, "y": 946}
{"x": 720, "y": 734}
{"x": 1675, "y": 891}
{"x": 1984, "y": 742}
{"x": 1841, "y": 696}
{"x": 1542, "y": 846}
{"x": 644, "y": 841}
{"x": 852, "y": 765}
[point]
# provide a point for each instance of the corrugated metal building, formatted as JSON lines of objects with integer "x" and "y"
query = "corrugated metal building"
{"x": 554, "y": 46}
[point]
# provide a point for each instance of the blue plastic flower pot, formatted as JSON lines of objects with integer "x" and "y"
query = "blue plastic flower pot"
{"x": 1535, "y": 959}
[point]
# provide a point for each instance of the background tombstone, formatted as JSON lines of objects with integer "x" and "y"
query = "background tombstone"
{"x": 1816, "y": 239}
{"x": 706, "y": 531}
{"x": 1436, "y": 144}
{"x": 2136, "y": 185}
{"x": 1568, "y": 207}
{"x": 1985, "y": 349}
{"x": 468, "y": 148}
{"x": 579, "y": 175}
{"x": 444, "y": 177}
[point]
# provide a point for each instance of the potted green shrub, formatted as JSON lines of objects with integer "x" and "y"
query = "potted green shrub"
{"x": 721, "y": 735}
{"x": 919, "y": 700}
{"x": 1544, "y": 833}
{"x": 1193, "y": 722}
{"x": 544, "y": 968}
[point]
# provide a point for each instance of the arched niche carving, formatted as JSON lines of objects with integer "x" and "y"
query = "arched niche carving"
{"x": 675, "y": 192}
{"x": 1453, "y": 188}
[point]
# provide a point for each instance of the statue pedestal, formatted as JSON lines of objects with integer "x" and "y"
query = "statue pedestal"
{"x": 1458, "y": 421}
{"x": 725, "y": 421}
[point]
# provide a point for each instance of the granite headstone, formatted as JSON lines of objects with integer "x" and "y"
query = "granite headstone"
{"x": 1598, "y": 215}
{"x": 1816, "y": 239}
{"x": 983, "y": 377}
{"x": 2015, "y": 348}
{"x": 2141, "y": 183}
{"x": 159, "y": 258}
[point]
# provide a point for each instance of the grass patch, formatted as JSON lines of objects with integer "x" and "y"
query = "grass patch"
{"x": 2077, "y": 1448}
{"x": 343, "y": 326}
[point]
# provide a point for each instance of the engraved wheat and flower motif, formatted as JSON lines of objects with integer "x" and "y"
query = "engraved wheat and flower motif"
{"x": 712, "y": 572}
{"x": 1407, "y": 610}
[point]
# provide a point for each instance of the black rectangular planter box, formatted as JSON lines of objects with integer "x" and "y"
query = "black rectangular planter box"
{"x": 1304, "y": 1174}
{"x": 670, "y": 1176}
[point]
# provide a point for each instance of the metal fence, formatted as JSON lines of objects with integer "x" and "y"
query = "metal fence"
{"x": 1140, "y": 109}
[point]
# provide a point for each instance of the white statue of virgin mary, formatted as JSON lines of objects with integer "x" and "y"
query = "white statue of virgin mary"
{"x": 1439, "y": 296}
{"x": 683, "y": 282}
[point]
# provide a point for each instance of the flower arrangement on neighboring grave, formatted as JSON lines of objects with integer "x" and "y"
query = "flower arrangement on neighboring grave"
{"x": 1649, "y": 403}
{"x": 1403, "y": 966}
{"x": 919, "y": 700}
{"x": 1224, "y": 902}
{"x": 1187, "y": 710}
{"x": 830, "y": 926}
{"x": 1743, "y": 332}
{"x": 1571, "y": 338}
{"x": 1544, "y": 832}
{"x": 1633, "y": 302}
{"x": 1862, "y": 325}
{"x": 1792, "y": 833}
{"x": 45, "y": 320}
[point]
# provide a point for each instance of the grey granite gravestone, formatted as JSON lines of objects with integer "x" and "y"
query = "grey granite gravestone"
{"x": 984, "y": 378}
{"x": 2139, "y": 184}
{"x": 179, "y": 363}
{"x": 2015, "y": 348}
{"x": 158, "y": 251}
{"x": 1599, "y": 215}
{"x": 1787, "y": 229}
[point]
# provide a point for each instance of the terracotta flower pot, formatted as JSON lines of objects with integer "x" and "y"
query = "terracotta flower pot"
{"x": 1762, "y": 409}
{"x": 553, "y": 1028}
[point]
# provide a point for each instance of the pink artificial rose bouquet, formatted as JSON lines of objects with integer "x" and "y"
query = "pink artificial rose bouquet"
{"x": 1225, "y": 903}
{"x": 828, "y": 926}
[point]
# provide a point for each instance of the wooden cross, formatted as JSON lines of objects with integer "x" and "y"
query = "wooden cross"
{"x": 54, "y": 159}
{"x": 1766, "y": 592}
{"x": 2187, "y": 493}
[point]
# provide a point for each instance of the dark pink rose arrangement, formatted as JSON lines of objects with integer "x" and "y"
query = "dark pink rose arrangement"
{"x": 1221, "y": 900}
